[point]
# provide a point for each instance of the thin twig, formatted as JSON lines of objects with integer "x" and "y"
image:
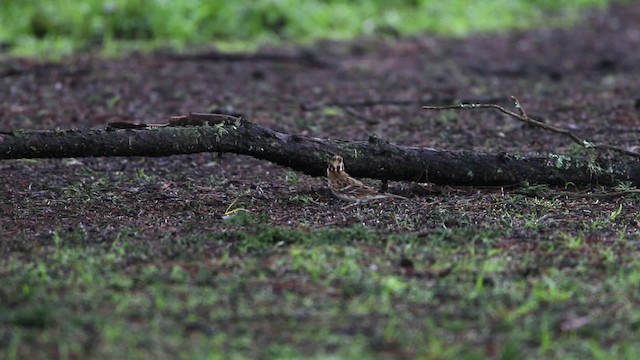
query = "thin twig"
{"x": 394, "y": 102}
{"x": 522, "y": 116}
{"x": 351, "y": 111}
{"x": 560, "y": 194}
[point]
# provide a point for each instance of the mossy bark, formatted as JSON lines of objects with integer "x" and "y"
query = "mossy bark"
{"x": 372, "y": 159}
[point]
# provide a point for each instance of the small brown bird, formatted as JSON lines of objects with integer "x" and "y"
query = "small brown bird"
{"x": 346, "y": 188}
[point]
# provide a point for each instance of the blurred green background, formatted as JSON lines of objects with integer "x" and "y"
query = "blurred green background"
{"x": 35, "y": 27}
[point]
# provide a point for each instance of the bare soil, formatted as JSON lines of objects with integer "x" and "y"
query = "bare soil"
{"x": 585, "y": 78}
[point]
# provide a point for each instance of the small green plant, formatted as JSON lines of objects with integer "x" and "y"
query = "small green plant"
{"x": 572, "y": 242}
{"x": 141, "y": 175}
{"x": 292, "y": 178}
{"x": 57, "y": 241}
{"x": 113, "y": 101}
{"x": 614, "y": 214}
{"x": 332, "y": 111}
{"x": 607, "y": 254}
{"x": 234, "y": 208}
{"x": 448, "y": 117}
{"x": 220, "y": 130}
{"x": 303, "y": 199}
{"x": 624, "y": 186}
{"x": 594, "y": 167}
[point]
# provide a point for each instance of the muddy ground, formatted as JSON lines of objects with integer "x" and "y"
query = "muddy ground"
{"x": 585, "y": 78}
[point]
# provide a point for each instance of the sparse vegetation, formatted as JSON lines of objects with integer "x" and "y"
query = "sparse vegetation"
{"x": 211, "y": 293}
{"x": 215, "y": 256}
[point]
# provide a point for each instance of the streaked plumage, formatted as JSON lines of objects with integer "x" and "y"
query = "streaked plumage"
{"x": 346, "y": 188}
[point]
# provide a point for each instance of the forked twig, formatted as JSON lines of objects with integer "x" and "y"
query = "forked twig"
{"x": 522, "y": 116}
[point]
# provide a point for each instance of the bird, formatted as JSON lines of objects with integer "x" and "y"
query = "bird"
{"x": 346, "y": 188}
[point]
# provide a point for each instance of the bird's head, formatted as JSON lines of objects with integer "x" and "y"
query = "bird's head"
{"x": 336, "y": 164}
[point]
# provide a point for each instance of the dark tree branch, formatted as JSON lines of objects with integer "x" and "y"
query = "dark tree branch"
{"x": 304, "y": 57}
{"x": 373, "y": 159}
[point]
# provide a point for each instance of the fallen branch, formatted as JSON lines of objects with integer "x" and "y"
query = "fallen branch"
{"x": 526, "y": 119}
{"x": 375, "y": 158}
{"x": 304, "y": 57}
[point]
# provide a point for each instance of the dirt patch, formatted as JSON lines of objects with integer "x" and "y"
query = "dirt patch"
{"x": 585, "y": 78}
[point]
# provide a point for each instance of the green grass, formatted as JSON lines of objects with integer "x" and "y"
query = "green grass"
{"x": 272, "y": 292}
{"x": 62, "y": 26}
